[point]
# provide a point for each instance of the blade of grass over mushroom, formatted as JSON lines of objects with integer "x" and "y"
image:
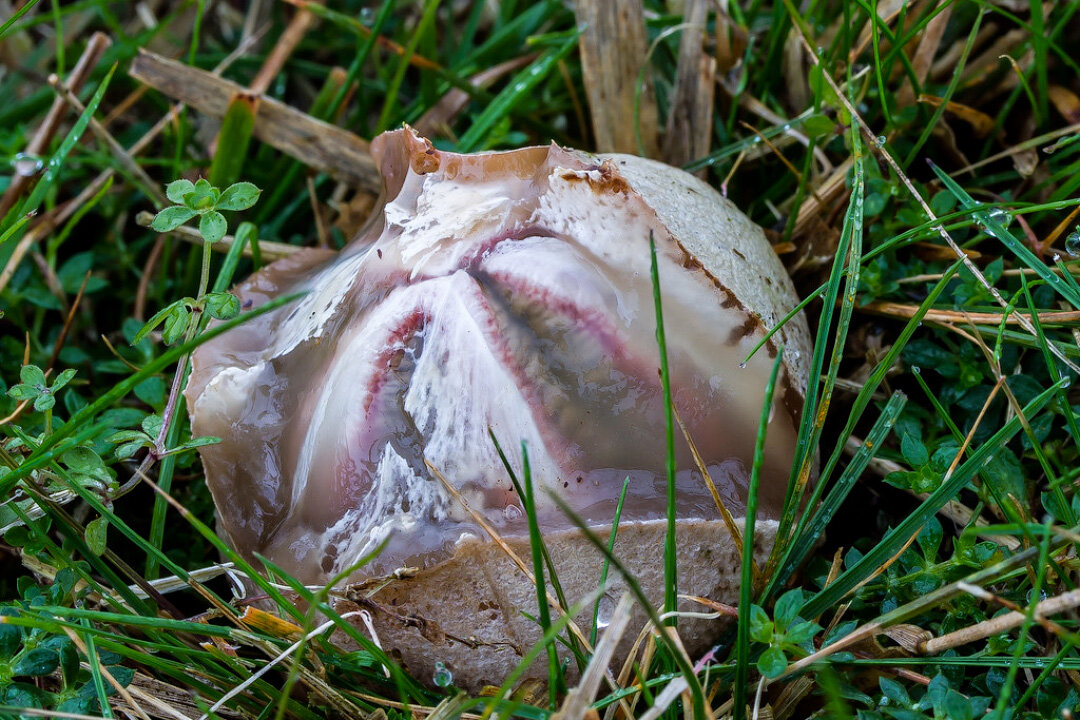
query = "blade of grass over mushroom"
{"x": 1018, "y": 249}
{"x": 808, "y": 532}
{"x": 519, "y": 87}
{"x": 555, "y": 681}
{"x": 671, "y": 577}
{"x": 607, "y": 563}
{"x": 871, "y": 384}
{"x": 898, "y": 536}
{"x": 746, "y": 577}
{"x": 662, "y": 629}
{"x": 553, "y": 577}
{"x": 546, "y": 641}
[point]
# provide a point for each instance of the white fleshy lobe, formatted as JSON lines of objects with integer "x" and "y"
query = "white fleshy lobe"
{"x": 308, "y": 317}
{"x": 437, "y": 223}
{"x": 511, "y": 297}
{"x": 228, "y": 390}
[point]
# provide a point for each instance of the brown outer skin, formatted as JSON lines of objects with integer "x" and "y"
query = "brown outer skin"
{"x": 479, "y": 595}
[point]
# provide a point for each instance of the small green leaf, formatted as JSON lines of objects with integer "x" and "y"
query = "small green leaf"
{"x": 818, "y": 125}
{"x": 151, "y": 425}
{"x": 123, "y": 452}
{"x": 154, "y": 322}
{"x": 97, "y": 534}
{"x": 23, "y": 392}
{"x": 63, "y": 379}
{"x": 37, "y": 662}
{"x": 212, "y": 226}
{"x": 761, "y": 627}
{"x": 82, "y": 460}
{"x": 10, "y": 641}
{"x": 171, "y": 218}
{"x": 223, "y": 305}
{"x": 787, "y": 608}
{"x": 801, "y": 632}
{"x": 176, "y": 324}
{"x": 913, "y": 450}
{"x": 772, "y": 662}
{"x": 125, "y": 436}
{"x": 197, "y": 442}
{"x": 69, "y": 661}
{"x": 45, "y": 401}
{"x": 32, "y": 375}
{"x": 239, "y": 196}
{"x": 178, "y": 189}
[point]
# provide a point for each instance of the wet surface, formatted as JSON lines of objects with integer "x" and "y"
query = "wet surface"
{"x": 507, "y": 292}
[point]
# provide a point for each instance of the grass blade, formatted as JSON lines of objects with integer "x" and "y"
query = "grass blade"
{"x": 746, "y": 582}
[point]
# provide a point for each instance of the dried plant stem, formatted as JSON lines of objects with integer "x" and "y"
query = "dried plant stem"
{"x": 1000, "y": 624}
{"x": 1010, "y": 317}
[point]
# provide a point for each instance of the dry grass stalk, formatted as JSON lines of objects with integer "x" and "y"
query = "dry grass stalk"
{"x": 905, "y": 311}
{"x": 689, "y": 125}
{"x": 729, "y": 520}
{"x": 613, "y": 53}
{"x": 1000, "y": 624}
{"x": 577, "y": 700}
{"x": 923, "y": 58}
{"x": 270, "y": 250}
{"x": 320, "y": 145}
{"x": 118, "y": 686}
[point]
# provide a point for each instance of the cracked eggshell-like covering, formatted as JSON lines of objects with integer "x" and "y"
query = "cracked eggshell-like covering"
{"x": 508, "y": 292}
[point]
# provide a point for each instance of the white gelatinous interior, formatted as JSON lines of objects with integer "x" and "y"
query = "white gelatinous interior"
{"x": 506, "y": 294}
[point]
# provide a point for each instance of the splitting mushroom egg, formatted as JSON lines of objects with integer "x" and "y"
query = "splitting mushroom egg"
{"x": 503, "y": 294}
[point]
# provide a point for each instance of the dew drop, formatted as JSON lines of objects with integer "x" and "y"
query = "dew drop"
{"x": 512, "y": 512}
{"x": 742, "y": 365}
{"x": 916, "y": 369}
{"x": 1072, "y": 243}
{"x": 27, "y": 165}
{"x": 367, "y": 16}
{"x": 881, "y": 139}
{"x": 604, "y": 611}
{"x": 442, "y": 677}
{"x": 1001, "y": 216}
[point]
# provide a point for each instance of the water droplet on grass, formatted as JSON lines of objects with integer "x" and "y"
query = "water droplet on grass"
{"x": 1072, "y": 243}
{"x": 604, "y": 611}
{"x": 1001, "y": 216}
{"x": 442, "y": 677}
{"x": 27, "y": 165}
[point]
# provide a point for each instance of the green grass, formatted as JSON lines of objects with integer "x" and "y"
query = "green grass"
{"x": 943, "y": 408}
